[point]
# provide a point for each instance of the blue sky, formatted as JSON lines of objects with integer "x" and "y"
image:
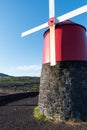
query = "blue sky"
{"x": 23, "y": 56}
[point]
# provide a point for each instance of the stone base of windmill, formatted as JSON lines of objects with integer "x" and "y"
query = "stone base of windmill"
{"x": 63, "y": 91}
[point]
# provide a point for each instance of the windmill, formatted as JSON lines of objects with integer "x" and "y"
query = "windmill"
{"x": 58, "y": 95}
{"x": 51, "y": 24}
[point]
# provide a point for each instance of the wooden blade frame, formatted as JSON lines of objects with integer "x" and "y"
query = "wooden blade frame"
{"x": 72, "y": 14}
{"x": 52, "y": 46}
{"x": 52, "y": 32}
{"x": 45, "y": 25}
{"x": 51, "y": 8}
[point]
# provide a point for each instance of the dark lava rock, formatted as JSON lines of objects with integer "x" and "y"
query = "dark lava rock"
{"x": 63, "y": 91}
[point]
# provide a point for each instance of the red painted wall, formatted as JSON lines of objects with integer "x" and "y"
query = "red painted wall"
{"x": 71, "y": 43}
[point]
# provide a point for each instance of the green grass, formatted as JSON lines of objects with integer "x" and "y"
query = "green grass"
{"x": 37, "y": 115}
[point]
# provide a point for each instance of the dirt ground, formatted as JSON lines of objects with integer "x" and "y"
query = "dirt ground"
{"x": 16, "y": 113}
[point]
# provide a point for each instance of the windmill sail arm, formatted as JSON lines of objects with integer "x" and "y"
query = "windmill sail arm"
{"x": 52, "y": 46}
{"x": 45, "y": 25}
{"x": 72, "y": 14}
{"x": 51, "y": 8}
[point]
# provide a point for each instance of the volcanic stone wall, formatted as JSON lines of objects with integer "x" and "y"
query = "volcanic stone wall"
{"x": 63, "y": 91}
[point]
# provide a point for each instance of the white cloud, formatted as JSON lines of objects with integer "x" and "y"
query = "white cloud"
{"x": 31, "y": 67}
{"x": 25, "y": 70}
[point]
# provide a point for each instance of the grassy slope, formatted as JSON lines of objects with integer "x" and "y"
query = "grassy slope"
{"x": 23, "y": 84}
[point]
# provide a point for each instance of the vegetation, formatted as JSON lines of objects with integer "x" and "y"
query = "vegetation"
{"x": 22, "y": 84}
{"x": 37, "y": 115}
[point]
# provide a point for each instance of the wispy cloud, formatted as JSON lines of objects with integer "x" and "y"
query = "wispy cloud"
{"x": 30, "y": 67}
{"x": 25, "y": 70}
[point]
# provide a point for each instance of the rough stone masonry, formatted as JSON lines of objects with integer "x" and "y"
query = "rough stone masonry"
{"x": 63, "y": 91}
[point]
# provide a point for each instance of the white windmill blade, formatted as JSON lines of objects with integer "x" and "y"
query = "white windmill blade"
{"x": 52, "y": 46}
{"x": 45, "y": 25}
{"x": 72, "y": 14}
{"x": 51, "y": 9}
{"x": 52, "y": 33}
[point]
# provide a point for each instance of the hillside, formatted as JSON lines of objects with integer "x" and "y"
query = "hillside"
{"x": 2, "y": 75}
{"x": 9, "y": 84}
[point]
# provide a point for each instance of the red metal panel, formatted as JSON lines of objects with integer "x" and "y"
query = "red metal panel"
{"x": 71, "y": 43}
